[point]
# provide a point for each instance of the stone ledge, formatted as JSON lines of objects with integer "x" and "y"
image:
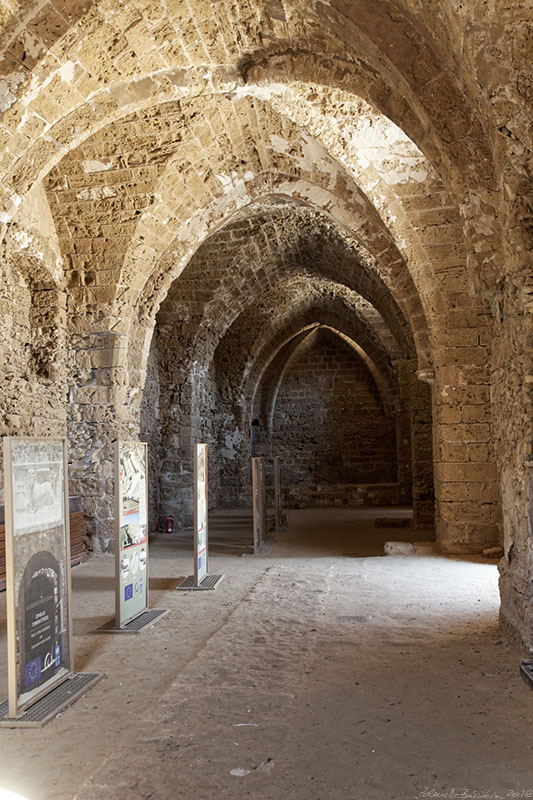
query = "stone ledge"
{"x": 351, "y": 495}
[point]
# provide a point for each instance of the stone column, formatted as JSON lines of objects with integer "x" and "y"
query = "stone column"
{"x": 99, "y": 412}
{"x": 466, "y": 477}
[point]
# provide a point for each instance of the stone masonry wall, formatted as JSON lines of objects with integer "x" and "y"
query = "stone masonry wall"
{"x": 329, "y": 424}
{"x": 130, "y": 132}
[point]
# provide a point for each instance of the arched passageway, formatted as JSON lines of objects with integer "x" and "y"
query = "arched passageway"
{"x": 184, "y": 189}
{"x": 289, "y": 228}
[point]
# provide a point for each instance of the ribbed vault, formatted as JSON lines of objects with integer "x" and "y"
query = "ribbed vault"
{"x": 187, "y": 188}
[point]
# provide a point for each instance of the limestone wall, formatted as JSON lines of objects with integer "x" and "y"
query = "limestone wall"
{"x": 228, "y": 178}
{"x": 329, "y": 425}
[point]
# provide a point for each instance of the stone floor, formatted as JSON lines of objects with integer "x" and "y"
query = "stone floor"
{"x": 321, "y": 671}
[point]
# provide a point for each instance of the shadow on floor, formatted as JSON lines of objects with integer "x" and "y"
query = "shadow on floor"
{"x": 353, "y": 533}
{"x": 349, "y": 532}
{"x": 229, "y": 534}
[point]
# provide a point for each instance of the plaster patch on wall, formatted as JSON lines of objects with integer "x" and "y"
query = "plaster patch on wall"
{"x": 8, "y": 87}
{"x": 401, "y": 244}
{"x": 314, "y": 155}
{"x": 37, "y": 84}
{"x": 406, "y": 173}
{"x": 96, "y": 193}
{"x": 225, "y": 180}
{"x": 235, "y": 181}
{"x": 66, "y": 73}
{"x": 377, "y": 132}
{"x": 317, "y": 196}
{"x": 100, "y": 165}
{"x": 32, "y": 45}
{"x": 198, "y": 226}
{"x": 264, "y": 93}
{"x": 231, "y": 440}
{"x": 23, "y": 238}
{"x": 279, "y": 145}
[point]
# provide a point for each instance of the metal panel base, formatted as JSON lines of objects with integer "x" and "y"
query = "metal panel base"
{"x": 209, "y": 582}
{"x": 265, "y": 548}
{"x": 137, "y": 625}
{"x": 526, "y": 672}
{"x": 51, "y": 704}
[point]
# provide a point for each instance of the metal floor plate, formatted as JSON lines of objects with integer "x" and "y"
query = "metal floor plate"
{"x": 137, "y": 625}
{"x": 209, "y": 582}
{"x": 526, "y": 672}
{"x": 51, "y": 704}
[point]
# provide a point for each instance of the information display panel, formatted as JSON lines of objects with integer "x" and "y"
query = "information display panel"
{"x": 259, "y": 504}
{"x": 39, "y": 629}
{"x": 131, "y": 520}
{"x": 200, "y": 512}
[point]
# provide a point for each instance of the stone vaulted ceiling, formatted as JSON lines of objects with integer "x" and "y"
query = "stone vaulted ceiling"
{"x": 226, "y": 174}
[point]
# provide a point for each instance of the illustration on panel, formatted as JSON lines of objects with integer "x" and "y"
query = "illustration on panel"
{"x": 40, "y": 566}
{"x": 133, "y": 530}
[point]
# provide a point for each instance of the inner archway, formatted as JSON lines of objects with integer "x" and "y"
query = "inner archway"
{"x": 328, "y": 422}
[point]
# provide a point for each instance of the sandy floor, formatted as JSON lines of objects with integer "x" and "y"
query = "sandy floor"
{"x": 321, "y": 671}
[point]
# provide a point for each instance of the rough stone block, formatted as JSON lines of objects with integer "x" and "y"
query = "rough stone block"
{"x": 399, "y": 549}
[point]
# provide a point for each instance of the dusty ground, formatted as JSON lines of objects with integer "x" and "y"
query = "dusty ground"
{"x": 322, "y": 671}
